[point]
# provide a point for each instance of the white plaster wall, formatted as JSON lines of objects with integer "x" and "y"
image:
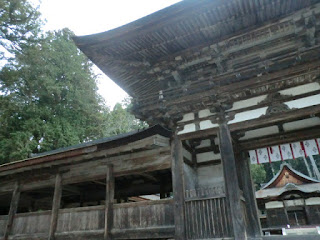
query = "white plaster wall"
{"x": 313, "y": 201}
{"x": 248, "y": 115}
{"x": 188, "y": 128}
{"x": 260, "y": 132}
{"x": 207, "y": 124}
{"x": 310, "y": 87}
{"x": 205, "y": 113}
{"x": 274, "y": 204}
{"x": 207, "y": 156}
{"x": 304, "y": 102}
{"x": 211, "y": 175}
{"x": 187, "y": 117}
{"x": 305, "y": 123}
{"x": 294, "y": 203}
{"x": 190, "y": 177}
{"x": 247, "y": 103}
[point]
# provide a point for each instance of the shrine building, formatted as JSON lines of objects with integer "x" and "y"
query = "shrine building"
{"x": 216, "y": 79}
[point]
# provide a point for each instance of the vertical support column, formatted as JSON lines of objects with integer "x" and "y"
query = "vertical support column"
{"x": 13, "y": 210}
{"x": 249, "y": 194}
{"x": 178, "y": 187}
{"x": 55, "y": 207}
{"x": 109, "y": 203}
{"x": 231, "y": 179}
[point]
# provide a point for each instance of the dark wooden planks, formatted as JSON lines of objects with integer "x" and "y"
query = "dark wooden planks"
{"x": 141, "y": 215}
{"x": 81, "y": 219}
{"x": 31, "y": 223}
{"x": 55, "y": 206}
{"x": 231, "y": 179}
{"x": 13, "y": 210}
{"x": 254, "y": 226}
{"x": 178, "y": 187}
{"x": 109, "y": 203}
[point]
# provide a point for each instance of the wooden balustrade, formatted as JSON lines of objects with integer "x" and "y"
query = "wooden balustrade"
{"x": 143, "y": 214}
{"x": 31, "y": 223}
{"x": 148, "y": 218}
{"x": 81, "y": 219}
{"x": 207, "y": 213}
{"x": 3, "y": 223}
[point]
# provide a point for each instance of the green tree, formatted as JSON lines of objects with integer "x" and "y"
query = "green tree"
{"x": 19, "y": 24}
{"x": 49, "y": 98}
{"x": 120, "y": 120}
{"x": 258, "y": 174}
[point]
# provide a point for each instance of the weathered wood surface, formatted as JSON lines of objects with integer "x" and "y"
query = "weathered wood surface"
{"x": 109, "y": 203}
{"x": 231, "y": 179}
{"x": 31, "y": 223}
{"x": 250, "y": 204}
{"x": 130, "y": 163}
{"x": 208, "y": 218}
{"x": 141, "y": 215}
{"x": 13, "y": 209}
{"x": 178, "y": 187}
{"x": 3, "y": 222}
{"x": 85, "y": 154}
{"x": 207, "y": 213}
{"x": 81, "y": 219}
{"x": 55, "y": 206}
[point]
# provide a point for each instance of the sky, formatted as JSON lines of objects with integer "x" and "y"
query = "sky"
{"x": 85, "y": 17}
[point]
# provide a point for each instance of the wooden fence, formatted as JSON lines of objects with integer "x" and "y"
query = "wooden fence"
{"x": 81, "y": 219}
{"x": 31, "y": 223}
{"x": 3, "y": 223}
{"x": 207, "y": 214}
{"x": 147, "y": 219}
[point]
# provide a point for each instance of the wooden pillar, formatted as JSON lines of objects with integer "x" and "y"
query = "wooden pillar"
{"x": 178, "y": 187}
{"x": 231, "y": 179}
{"x": 13, "y": 210}
{"x": 254, "y": 224}
{"x": 55, "y": 207}
{"x": 109, "y": 203}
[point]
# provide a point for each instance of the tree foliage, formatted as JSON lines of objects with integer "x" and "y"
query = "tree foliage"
{"x": 120, "y": 120}
{"x": 49, "y": 98}
{"x": 19, "y": 24}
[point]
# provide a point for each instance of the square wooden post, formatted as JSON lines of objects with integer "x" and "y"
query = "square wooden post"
{"x": 13, "y": 210}
{"x": 178, "y": 187}
{"x": 109, "y": 203}
{"x": 254, "y": 224}
{"x": 55, "y": 206}
{"x": 231, "y": 179}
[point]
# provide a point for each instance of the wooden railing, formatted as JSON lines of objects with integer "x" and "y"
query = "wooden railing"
{"x": 207, "y": 214}
{"x": 81, "y": 219}
{"x": 144, "y": 218}
{"x": 3, "y": 223}
{"x": 31, "y": 223}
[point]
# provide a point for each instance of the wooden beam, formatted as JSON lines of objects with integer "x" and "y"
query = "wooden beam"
{"x": 55, "y": 207}
{"x": 265, "y": 121}
{"x": 210, "y": 162}
{"x": 109, "y": 203}
{"x": 254, "y": 225}
{"x": 13, "y": 210}
{"x": 178, "y": 187}
{"x": 231, "y": 180}
{"x": 280, "y": 138}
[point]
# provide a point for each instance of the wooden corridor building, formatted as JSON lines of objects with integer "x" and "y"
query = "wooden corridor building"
{"x": 225, "y": 76}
